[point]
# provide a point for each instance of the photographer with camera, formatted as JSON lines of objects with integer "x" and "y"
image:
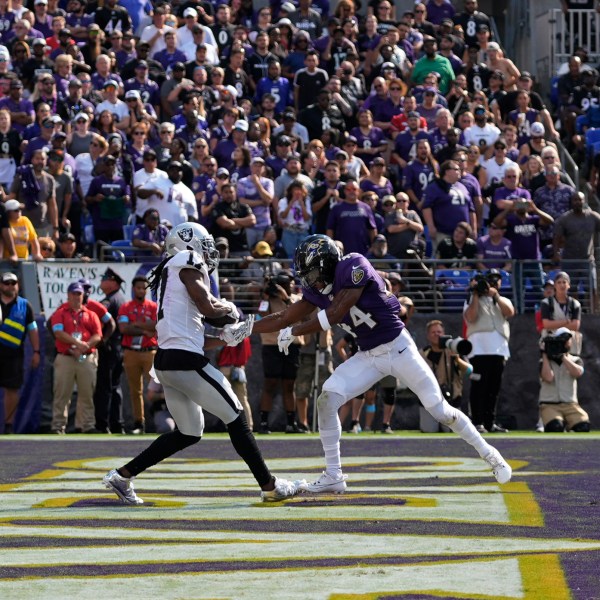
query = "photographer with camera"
{"x": 443, "y": 355}
{"x": 277, "y": 366}
{"x": 487, "y": 313}
{"x": 559, "y": 372}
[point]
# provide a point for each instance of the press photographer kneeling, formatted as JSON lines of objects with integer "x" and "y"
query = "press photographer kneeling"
{"x": 560, "y": 370}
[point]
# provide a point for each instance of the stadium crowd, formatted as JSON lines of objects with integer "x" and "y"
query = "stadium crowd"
{"x": 398, "y": 135}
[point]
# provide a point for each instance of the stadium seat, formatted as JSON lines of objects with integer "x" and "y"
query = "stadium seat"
{"x": 128, "y": 232}
{"x": 592, "y": 136}
{"x": 453, "y": 283}
{"x": 125, "y": 247}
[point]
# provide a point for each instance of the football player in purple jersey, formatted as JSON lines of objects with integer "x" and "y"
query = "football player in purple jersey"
{"x": 349, "y": 292}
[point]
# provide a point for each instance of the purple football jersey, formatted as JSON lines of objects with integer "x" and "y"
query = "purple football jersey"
{"x": 375, "y": 138}
{"x": 417, "y": 176}
{"x": 374, "y": 319}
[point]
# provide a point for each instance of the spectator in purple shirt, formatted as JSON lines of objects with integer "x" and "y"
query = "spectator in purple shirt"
{"x": 438, "y": 10}
{"x": 494, "y": 250}
{"x": 371, "y": 140}
{"x": 523, "y": 221}
{"x": 352, "y": 221}
{"x": 151, "y": 235}
{"x": 510, "y": 191}
{"x": 170, "y": 55}
{"x": 21, "y": 111}
{"x": 447, "y": 202}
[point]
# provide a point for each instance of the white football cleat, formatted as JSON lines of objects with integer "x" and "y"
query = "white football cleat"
{"x": 122, "y": 487}
{"x": 500, "y": 468}
{"x": 283, "y": 489}
{"x": 326, "y": 484}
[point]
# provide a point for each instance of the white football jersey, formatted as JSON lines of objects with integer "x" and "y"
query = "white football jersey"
{"x": 180, "y": 324}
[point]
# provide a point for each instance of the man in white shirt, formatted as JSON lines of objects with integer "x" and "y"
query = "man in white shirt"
{"x": 179, "y": 202}
{"x": 150, "y": 184}
{"x": 184, "y": 33}
{"x": 198, "y": 42}
{"x": 154, "y": 34}
{"x": 497, "y": 165}
{"x": 483, "y": 134}
{"x": 114, "y": 105}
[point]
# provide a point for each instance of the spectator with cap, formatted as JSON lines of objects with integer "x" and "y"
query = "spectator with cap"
{"x": 457, "y": 250}
{"x": 63, "y": 185}
{"x": 148, "y": 184}
{"x": 112, "y": 103}
{"x": 35, "y": 188}
{"x": 171, "y": 90}
{"x": 67, "y": 248}
{"x": 559, "y": 371}
{"x": 432, "y": 61}
{"x": 17, "y": 322}
{"x": 22, "y": 232}
{"x": 49, "y": 126}
{"x": 380, "y": 257}
{"x": 535, "y": 144}
{"x": 292, "y": 129}
{"x": 481, "y": 133}
{"x": 405, "y": 144}
{"x": 80, "y": 137}
{"x": 21, "y": 110}
{"x": 277, "y": 161}
{"x": 237, "y": 139}
{"x": 150, "y": 235}
{"x": 107, "y": 199}
{"x": 74, "y": 104}
{"x": 154, "y": 34}
{"x": 147, "y": 89}
{"x": 38, "y": 62}
{"x": 77, "y": 331}
{"x": 402, "y": 226}
{"x": 292, "y": 172}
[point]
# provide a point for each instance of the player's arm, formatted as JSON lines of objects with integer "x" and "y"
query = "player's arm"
{"x": 293, "y": 313}
{"x": 344, "y": 300}
{"x": 205, "y": 302}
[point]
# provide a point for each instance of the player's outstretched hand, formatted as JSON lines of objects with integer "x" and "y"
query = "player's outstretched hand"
{"x": 284, "y": 339}
{"x": 232, "y": 335}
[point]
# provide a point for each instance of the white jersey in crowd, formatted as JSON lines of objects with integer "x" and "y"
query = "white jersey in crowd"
{"x": 495, "y": 172}
{"x": 180, "y": 324}
{"x": 481, "y": 136}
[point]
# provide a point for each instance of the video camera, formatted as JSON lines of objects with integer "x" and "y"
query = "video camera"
{"x": 282, "y": 279}
{"x": 555, "y": 347}
{"x": 458, "y": 345}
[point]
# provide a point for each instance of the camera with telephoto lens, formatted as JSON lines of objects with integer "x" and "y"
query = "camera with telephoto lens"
{"x": 482, "y": 285}
{"x": 458, "y": 345}
{"x": 271, "y": 286}
{"x": 555, "y": 347}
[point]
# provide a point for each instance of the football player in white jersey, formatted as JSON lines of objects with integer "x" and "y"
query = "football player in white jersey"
{"x": 190, "y": 382}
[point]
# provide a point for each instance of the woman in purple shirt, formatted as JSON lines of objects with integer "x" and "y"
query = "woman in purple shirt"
{"x": 376, "y": 181}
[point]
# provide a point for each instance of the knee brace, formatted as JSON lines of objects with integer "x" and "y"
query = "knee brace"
{"x": 584, "y": 426}
{"x": 554, "y": 426}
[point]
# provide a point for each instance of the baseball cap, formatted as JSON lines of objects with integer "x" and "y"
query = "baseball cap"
{"x": 59, "y": 135}
{"x": 284, "y": 140}
{"x": 288, "y": 7}
{"x": 388, "y": 198}
{"x": 351, "y": 139}
{"x": 479, "y": 109}
{"x": 379, "y": 238}
{"x": 448, "y": 22}
{"x": 429, "y": 90}
{"x": 413, "y": 114}
{"x": 388, "y": 65}
{"x": 84, "y": 282}
{"x": 75, "y": 83}
{"x": 132, "y": 94}
{"x": 258, "y": 160}
{"x": 114, "y": 137}
{"x": 65, "y": 31}
{"x": 190, "y": 12}
{"x": 493, "y": 46}
{"x": 393, "y": 276}
{"x": 289, "y": 115}
{"x": 178, "y": 66}
{"x": 15, "y": 84}
{"x": 110, "y": 82}
{"x": 81, "y": 115}
{"x": 69, "y": 237}
{"x": 175, "y": 164}
{"x": 142, "y": 64}
{"x": 537, "y": 129}
{"x": 222, "y": 171}
{"x": 483, "y": 27}
{"x": 13, "y": 205}
{"x": 6, "y": 277}
{"x": 221, "y": 241}
{"x": 241, "y": 125}
{"x": 548, "y": 282}
{"x": 563, "y": 332}
{"x": 75, "y": 288}
{"x": 525, "y": 75}
{"x": 263, "y": 249}
{"x": 342, "y": 154}
{"x": 38, "y": 42}
{"x": 562, "y": 275}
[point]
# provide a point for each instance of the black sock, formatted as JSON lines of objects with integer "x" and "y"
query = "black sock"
{"x": 162, "y": 447}
{"x": 245, "y": 445}
{"x": 291, "y": 418}
{"x": 264, "y": 418}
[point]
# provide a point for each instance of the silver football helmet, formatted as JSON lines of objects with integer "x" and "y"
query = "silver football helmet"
{"x": 195, "y": 237}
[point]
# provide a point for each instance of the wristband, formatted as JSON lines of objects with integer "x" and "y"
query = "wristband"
{"x": 323, "y": 320}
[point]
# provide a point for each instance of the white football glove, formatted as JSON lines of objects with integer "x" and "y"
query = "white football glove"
{"x": 284, "y": 339}
{"x": 232, "y": 335}
{"x": 233, "y": 311}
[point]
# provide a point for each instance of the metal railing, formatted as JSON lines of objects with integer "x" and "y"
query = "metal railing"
{"x": 570, "y": 168}
{"x": 567, "y": 32}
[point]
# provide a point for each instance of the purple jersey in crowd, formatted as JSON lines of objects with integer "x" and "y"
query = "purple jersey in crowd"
{"x": 436, "y": 13}
{"x": 374, "y": 319}
{"x": 366, "y": 185}
{"x": 523, "y": 123}
{"x": 376, "y": 137}
{"x": 405, "y": 144}
{"x": 503, "y": 193}
{"x": 23, "y": 106}
{"x": 524, "y": 236}
{"x": 449, "y": 205}
{"x": 351, "y": 223}
{"x": 500, "y": 253}
{"x": 278, "y": 88}
{"x": 148, "y": 90}
{"x": 417, "y": 176}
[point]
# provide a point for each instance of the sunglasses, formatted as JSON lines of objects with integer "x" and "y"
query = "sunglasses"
{"x": 149, "y": 158}
{"x": 9, "y": 282}
{"x": 94, "y": 144}
{"x": 200, "y": 146}
{"x": 395, "y": 89}
{"x": 46, "y": 249}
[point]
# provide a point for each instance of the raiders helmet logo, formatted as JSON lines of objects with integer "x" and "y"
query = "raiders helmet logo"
{"x": 357, "y": 275}
{"x": 186, "y": 234}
